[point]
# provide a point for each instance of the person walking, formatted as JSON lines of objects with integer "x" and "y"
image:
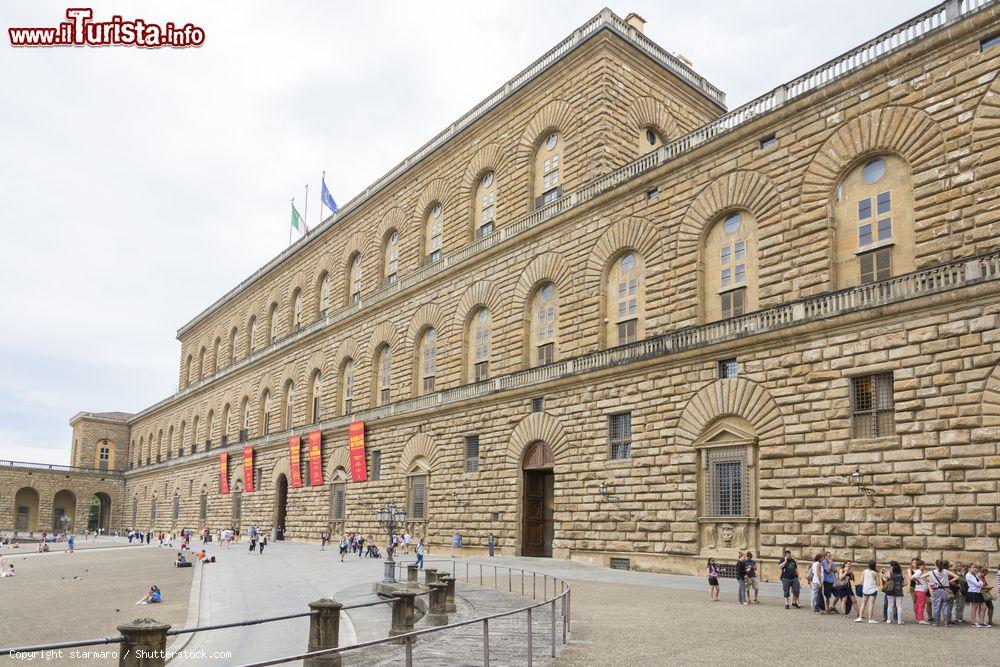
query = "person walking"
{"x": 941, "y": 579}
{"x": 261, "y": 544}
{"x": 69, "y": 544}
{"x": 343, "y": 547}
{"x": 893, "y": 583}
{"x": 490, "y": 540}
{"x": 324, "y": 538}
{"x": 869, "y": 592}
{"x": 816, "y": 584}
{"x": 253, "y": 544}
{"x": 920, "y": 590}
{"x": 713, "y": 581}
{"x": 790, "y": 587}
{"x": 420, "y": 554}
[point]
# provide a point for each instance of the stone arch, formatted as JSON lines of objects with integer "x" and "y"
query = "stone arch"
{"x": 747, "y": 190}
{"x": 384, "y": 332}
{"x": 481, "y": 293}
{"x": 435, "y": 191}
{"x": 650, "y": 112}
{"x": 537, "y": 426}
{"x": 281, "y": 467}
{"x": 908, "y": 132}
{"x": 991, "y": 400}
{"x": 734, "y": 396}
{"x": 357, "y": 243}
{"x": 488, "y": 158}
{"x": 556, "y": 115}
{"x": 547, "y": 267}
{"x": 300, "y": 283}
{"x": 986, "y": 131}
{"x": 426, "y": 315}
{"x": 339, "y": 458}
{"x": 633, "y": 233}
{"x": 317, "y": 361}
{"x": 419, "y": 445}
{"x": 393, "y": 219}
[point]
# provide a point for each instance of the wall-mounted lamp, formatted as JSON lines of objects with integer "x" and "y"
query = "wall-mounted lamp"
{"x": 603, "y": 490}
{"x": 458, "y": 501}
{"x": 857, "y": 479}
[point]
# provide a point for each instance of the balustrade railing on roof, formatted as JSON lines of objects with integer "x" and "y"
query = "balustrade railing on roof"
{"x": 4, "y": 463}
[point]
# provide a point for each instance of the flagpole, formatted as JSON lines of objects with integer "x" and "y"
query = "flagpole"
{"x": 305, "y": 216}
{"x": 322, "y": 180}
{"x": 290, "y": 222}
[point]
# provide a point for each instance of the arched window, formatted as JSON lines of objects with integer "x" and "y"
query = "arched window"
{"x": 168, "y": 449}
{"x": 547, "y": 184}
{"x": 161, "y": 455}
{"x": 484, "y": 207}
{"x": 323, "y": 289}
{"x": 417, "y": 485}
{"x": 152, "y": 511}
{"x": 478, "y": 352}
{"x": 209, "y": 428}
{"x": 244, "y": 418}
{"x": 135, "y": 509}
{"x": 272, "y": 324}
{"x": 104, "y": 455}
{"x": 626, "y": 301}
{"x": 232, "y": 345}
{"x": 201, "y": 362}
{"x": 542, "y": 334}
{"x": 180, "y": 440}
{"x": 354, "y": 282}
{"x": 189, "y": 375}
{"x": 264, "y": 419}
{"x": 649, "y": 139}
{"x": 296, "y": 314}
{"x": 194, "y": 435}
{"x": 287, "y": 415}
{"x": 390, "y": 258}
{"x": 730, "y": 263}
{"x": 203, "y": 506}
{"x": 433, "y": 232}
{"x": 338, "y": 499}
{"x": 316, "y": 397}
{"x": 216, "y": 348}
{"x": 225, "y": 424}
{"x": 177, "y": 507}
{"x": 873, "y": 211}
{"x": 347, "y": 387}
{"x": 426, "y": 361}
{"x": 383, "y": 375}
{"x": 252, "y": 335}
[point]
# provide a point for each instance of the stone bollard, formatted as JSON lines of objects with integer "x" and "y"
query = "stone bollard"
{"x": 324, "y": 632}
{"x": 430, "y": 575}
{"x": 411, "y": 574}
{"x": 145, "y": 643}
{"x": 449, "y": 603}
{"x": 403, "y": 614}
{"x": 436, "y": 612}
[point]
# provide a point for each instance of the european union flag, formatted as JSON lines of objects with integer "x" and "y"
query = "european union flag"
{"x": 326, "y": 197}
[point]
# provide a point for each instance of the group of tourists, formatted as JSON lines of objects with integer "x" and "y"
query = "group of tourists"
{"x": 942, "y": 595}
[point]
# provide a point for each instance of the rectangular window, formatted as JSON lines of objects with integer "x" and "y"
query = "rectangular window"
{"x": 727, "y": 277}
{"x": 337, "y": 502}
{"x": 728, "y": 368}
{"x": 767, "y": 141}
{"x": 626, "y": 332}
{"x": 740, "y": 249}
{"x": 390, "y": 279}
{"x": 864, "y": 209}
{"x": 377, "y": 464}
{"x": 471, "y": 453}
{"x": 727, "y": 483}
{"x": 429, "y": 385}
{"x": 882, "y": 203}
{"x": 546, "y": 353}
{"x": 876, "y": 265}
{"x": 384, "y": 396}
{"x": 418, "y": 497}
{"x": 732, "y": 303}
{"x": 482, "y": 371}
{"x": 202, "y": 507}
{"x": 989, "y": 42}
{"x": 434, "y": 256}
{"x": 355, "y": 297}
{"x": 884, "y": 229}
{"x": 725, "y": 254}
{"x": 620, "y": 435}
{"x": 538, "y": 404}
{"x": 348, "y": 406}
{"x": 741, "y": 273}
{"x": 872, "y": 406}
{"x": 864, "y": 235}
{"x": 484, "y": 230}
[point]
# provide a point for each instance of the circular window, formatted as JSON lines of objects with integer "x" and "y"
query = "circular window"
{"x": 436, "y": 212}
{"x": 651, "y": 136}
{"x": 732, "y": 223}
{"x": 488, "y": 179}
{"x": 548, "y": 291}
{"x": 873, "y": 171}
{"x": 551, "y": 141}
{"x": 628, "y": 261}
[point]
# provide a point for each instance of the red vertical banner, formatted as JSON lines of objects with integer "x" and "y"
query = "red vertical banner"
{"x": 294, "y": 460}
{"x": 356, "y": 439}
{"x": 248, "y": 469}
{"x": 315, "y": 458}
{"x": 224, "y": 473}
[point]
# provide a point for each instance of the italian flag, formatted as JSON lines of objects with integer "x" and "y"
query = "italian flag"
{"x": 298, "y": 223}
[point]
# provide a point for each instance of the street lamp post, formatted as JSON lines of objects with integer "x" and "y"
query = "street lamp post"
{"x": 391, "y": 519}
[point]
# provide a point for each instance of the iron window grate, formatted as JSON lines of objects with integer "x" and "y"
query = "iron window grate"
{"x": 872, "y": 406}
{"x": 620, "y": 435}
{"x": 621, "y": 564}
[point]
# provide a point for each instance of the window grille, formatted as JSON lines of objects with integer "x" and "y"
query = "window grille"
{"x": 202, "y": 507}
{"x": 471, "y": 453}
{"x": 728, "y": 368}
{"x": 621, "y": 564}
{"x": 726, "y": 570}
{"x": 337, "y": 501}
{"x": 727, "y": 481}
{"x": 135, "y": 511}
{"x": 237, "y": 507}
{"x": 152, "y": 510}
{"x": 376, "y": 464}
{"x": 418, "y": 497}
{"x": 538, "y": 404}
{"x": 177, "y": 507}
{"x": 872, "y": 406}
{"x": 620, "y": 435}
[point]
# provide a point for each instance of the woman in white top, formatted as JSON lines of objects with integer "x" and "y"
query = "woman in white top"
{"x": 974, "y": 598}
{"x": 816, "y": 584}
{"x": 920, "y": 587}
{"x": 869, "y": 589}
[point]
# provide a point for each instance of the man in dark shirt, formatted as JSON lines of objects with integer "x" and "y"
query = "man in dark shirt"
{"x": 789, "y": 580}
{"x": 741, "y": 578}
{"x": 751, "y": 567}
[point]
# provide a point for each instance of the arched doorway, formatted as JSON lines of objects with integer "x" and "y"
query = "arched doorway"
{"x": 538, "y": 501}
{"x": 63, "y": 512}
{"x": 26, "y": 509}
{"x": 280, "y": 505}
{"x": 99, "y": 516}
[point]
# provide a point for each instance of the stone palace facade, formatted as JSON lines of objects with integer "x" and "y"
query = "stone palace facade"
{"x": 605, "y": 319}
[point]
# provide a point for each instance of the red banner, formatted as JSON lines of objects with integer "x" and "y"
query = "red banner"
{"x": 356, "y": 438}
{"x": 224, "y": 472}
{"x": 294, "y": 460}
{"x": 315, "y": 459}
{"x": 248, "y": 469}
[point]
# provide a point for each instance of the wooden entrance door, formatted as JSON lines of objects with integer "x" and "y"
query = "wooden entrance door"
{"x": 538, "y": 506}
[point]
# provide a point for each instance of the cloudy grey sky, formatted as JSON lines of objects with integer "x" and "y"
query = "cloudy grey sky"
{"x": 137, "y": 186}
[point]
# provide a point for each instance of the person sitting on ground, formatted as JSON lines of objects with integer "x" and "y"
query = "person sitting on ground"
{"x": 8, "y": 572}
{"x": 153, "y": 596}
{"x": 201, "y": 555}
{"x": 181, "y": 561}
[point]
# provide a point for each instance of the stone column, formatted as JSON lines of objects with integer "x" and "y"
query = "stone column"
{"x": 145, "y": 643}
{"x": 403, "y": 614}
{"x": 436, "y": 613}
{"x": 430, "y": 575}
{"x": 324, "y": 632}
{"x": 411, "y": 574}
{"x": 449, "y": 602}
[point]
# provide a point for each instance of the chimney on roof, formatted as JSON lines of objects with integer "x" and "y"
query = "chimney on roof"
{"x": 636, "y": 21}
